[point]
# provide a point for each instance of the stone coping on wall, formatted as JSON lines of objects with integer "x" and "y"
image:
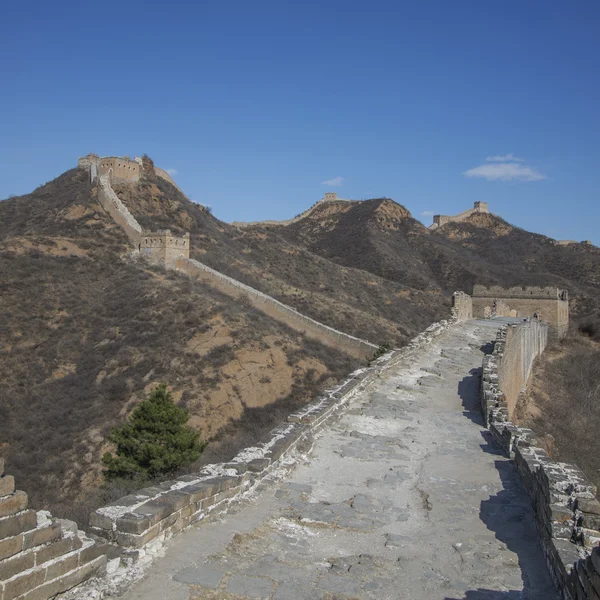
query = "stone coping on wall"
{"x": 114, "y": 204}
{"x": 41, "y": 556}
{"x": 567, "y": 512}
{"x": 366, "y": 349}
{"x": 138, "y": 525}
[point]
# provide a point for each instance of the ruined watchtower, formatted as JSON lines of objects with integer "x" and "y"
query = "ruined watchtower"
{"x": 549, "y": 304}
{"x": 164, "y": 248}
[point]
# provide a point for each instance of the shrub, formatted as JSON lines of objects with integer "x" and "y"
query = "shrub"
{"x": 383, "y": 349}
{"x": 154, "y": 441}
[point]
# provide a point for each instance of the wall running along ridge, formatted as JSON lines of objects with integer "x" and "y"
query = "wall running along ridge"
{"x": 564, "y": 502}
{"x": 277, "y": 310}
{"x": 439, "y": 220}
{"x": 41, "y": 556}
{"x": 112, "y": 204}
{"x": 328, "y": 197}
{"x": 172, "y": 252}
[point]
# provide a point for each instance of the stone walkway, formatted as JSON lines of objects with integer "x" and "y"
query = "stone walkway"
{"x": 404, "y": 497}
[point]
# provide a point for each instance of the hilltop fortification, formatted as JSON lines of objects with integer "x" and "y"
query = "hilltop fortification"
{"x": 122, "y": 169}
{"x": 439, "y": 220}
{"x": 328, "y": 197}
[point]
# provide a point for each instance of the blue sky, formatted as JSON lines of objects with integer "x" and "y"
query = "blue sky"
{"x": 256, "y": 104}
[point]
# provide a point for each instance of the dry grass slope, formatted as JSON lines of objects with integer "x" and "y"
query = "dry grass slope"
{"x": 88, "y": 329}
{"x": 563, "y": 402}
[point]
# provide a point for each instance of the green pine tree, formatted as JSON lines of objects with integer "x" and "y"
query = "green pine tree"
{"x": 154, "y": 441}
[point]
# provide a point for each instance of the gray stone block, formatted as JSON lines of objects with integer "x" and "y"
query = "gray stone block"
{"x": 250, "y": 587}
{"x": 204, "y": 575}
{"x": 258, "y": 465}
{"x": 42, "y": 535}
{"x": 16, "y": 524}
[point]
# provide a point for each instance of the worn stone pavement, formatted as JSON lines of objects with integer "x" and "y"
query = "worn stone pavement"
{"x": 404, "y": 497}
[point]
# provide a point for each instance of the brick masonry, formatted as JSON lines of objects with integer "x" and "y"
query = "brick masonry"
{"x": 38, "y": 559}
{"x": 566, "y": 509}
{"x": 551, "y": 304}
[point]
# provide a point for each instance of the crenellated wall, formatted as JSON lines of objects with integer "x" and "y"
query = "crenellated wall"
{"x": 41, "y": 556}
{"x": 550, "y": 304}
{"x": 172, "y": 252}
{"x": 567, "y": 512}
{"x": 122, "y": 169}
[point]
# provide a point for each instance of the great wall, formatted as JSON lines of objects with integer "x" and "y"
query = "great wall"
{"x": 328, "y": 197}
{"x": 357, "y": 495}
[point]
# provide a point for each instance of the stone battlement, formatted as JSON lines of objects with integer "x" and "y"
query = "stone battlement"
{"x": 478, "y": 207}
{"x": 164, "y": 248}
{"x": 549, "y": 304}
{"x": 41, "y": 557}
{"x": 535, "y": 292}
{"x": 120, "y": 169}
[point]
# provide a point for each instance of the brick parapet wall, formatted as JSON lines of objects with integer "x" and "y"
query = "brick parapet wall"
{"x": 566, "y": 510}
{"x": 529, "y": 292}
{"x": 551, "y": 304}
{"x": 38, "y": 557}
{"x": 272, "y": 307}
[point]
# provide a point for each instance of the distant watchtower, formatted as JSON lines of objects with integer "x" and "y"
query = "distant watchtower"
{"x": 439, "y": 220}
{"x": 164, "y": 248}
{"x": 330, "y": 197}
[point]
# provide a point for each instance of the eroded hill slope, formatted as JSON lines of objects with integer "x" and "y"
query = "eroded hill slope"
{"x": 87, "y": 329}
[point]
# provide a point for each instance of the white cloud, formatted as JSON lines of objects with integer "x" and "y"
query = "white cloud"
{"x": 171, "y": 171}
{"x": 333, "y": 182}
{"x": 503, "y": 158}
{"x": 428, "y": 213}
{"x": 505, "y": 171}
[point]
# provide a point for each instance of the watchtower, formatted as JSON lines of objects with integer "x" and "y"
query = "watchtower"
{"x": 548, "y": 304}
{"x": 164, "y": 248}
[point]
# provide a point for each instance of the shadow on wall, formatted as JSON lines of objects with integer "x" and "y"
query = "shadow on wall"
{"x": 468, "y": 390}
{"x": 481, "y": 594}
{"x": 507, "y": 513}
{"x": 510, "y": 516}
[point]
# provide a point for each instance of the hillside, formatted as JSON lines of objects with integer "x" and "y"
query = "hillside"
{"x": 353, "y": 300}
{"x": 515, "y": 255}
{"x": 381, "y": 237}
{"x": 87, "y": 329}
